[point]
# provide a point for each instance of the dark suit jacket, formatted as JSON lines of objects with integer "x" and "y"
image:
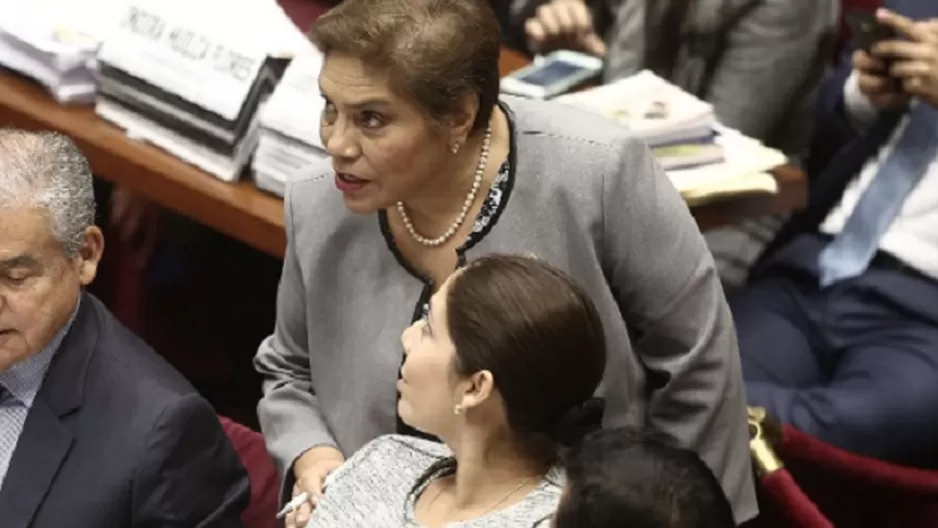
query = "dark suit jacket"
{"x": 117, "y": 438}
{"x": 846, "y": 150}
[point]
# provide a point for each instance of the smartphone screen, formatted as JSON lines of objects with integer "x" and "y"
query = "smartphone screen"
{"x": 550, "y": 73}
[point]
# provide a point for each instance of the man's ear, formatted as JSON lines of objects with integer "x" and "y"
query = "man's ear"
{"x": 89, "y": 256}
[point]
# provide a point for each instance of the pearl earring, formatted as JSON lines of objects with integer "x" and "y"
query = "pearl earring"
{"x": 455, "y": 148}
{"x": 458, "y": 409}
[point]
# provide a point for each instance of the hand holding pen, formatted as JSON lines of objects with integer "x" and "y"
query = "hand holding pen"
{"x": 310, "y": 470}
{"x": 294, "y": 503}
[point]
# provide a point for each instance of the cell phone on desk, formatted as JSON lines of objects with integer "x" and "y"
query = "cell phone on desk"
{"x": 867, "y": 30}
{"x": 552, "y": 75}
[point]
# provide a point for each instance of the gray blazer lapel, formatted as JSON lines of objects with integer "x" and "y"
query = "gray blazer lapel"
{"x": 40, "y": 451}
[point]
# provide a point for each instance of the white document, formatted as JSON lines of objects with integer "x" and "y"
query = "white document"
{"x": 295, "y": 107}
{"x": 187, "y": 50}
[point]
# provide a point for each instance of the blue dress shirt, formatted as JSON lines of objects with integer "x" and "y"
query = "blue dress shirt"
{"x": 18, "y": 388}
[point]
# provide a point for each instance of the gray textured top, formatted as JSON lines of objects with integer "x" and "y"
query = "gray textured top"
{"x": 375, "y": 488}
{"x": 586, "y": 196}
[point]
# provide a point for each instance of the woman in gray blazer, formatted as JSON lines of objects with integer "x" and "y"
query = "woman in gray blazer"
{"x": 433, "y": 169}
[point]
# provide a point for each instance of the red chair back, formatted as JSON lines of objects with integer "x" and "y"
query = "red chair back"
{"x": 265, "y": 481}
{"x": 304, "y": 12}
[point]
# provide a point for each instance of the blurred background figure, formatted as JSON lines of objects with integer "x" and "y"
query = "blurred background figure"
{"x": 758, "y": 62}
{"x": 838, "y": 328}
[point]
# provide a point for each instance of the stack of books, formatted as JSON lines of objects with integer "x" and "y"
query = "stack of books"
{"x": 54, "y": 42}
{"x": 676, "y": 125}
{"x": 704, "y": 159}
{"x": 289, "y": 127}
{"x": 218, "y": 141}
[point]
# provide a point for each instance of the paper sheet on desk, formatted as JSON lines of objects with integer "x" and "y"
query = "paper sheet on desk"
{"x": 744, "y": 170}
{"x": 58, "y": 26}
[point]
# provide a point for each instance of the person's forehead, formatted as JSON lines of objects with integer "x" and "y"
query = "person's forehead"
{"x": 23, "y": 230}
{"x": 439, "y": 300}
{"x": 352, "y": 78}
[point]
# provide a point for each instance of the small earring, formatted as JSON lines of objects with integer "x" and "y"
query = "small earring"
{"x": 458, "y": 409}
{"x": 455, "y": 148}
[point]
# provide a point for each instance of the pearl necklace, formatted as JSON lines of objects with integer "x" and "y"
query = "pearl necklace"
{"x": 470, "y": 198}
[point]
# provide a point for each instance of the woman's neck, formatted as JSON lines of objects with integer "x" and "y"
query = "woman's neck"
{"x": 488, "y": 470}
{"x": 436, "y": 208}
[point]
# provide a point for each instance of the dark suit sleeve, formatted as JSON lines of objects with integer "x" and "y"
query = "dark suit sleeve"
{"x": 832, "y": 127}
{"x": 189, "y": 475}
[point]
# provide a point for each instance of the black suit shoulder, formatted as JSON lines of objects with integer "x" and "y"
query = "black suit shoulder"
{"x": 177, "y": 461}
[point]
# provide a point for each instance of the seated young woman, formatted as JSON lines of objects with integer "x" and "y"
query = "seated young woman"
{"x": 502, "y": 369}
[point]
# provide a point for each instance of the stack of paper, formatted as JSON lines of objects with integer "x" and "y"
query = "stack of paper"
{"x": 174, "y": 77}
{"x": 704, "y": 159}
{"x": 744, "y": 170}
{"x": 55, "y": 41}
{"x": 289, "y": 126}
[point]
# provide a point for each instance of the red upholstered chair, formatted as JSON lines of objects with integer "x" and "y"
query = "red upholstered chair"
{"x": 265, "y": 481}
{"x": 806, "y": 483}
{"x": 304, "y": 12}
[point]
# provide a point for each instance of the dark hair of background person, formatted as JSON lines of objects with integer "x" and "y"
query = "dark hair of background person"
{"x": 623, "y": 476}
{"x": 435, "y": 52}
{"x": 542, "y": 339}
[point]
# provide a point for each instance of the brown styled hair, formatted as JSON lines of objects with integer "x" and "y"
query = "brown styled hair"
{"x": 539, "y": 335}
{"x": 436, "y": 52}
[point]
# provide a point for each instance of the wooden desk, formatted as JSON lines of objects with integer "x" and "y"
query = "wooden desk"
{"x": 240, "y": 210}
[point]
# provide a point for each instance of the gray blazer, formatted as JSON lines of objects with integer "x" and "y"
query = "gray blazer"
{"x": 757, "y": 61}
{"x": 589, "y": 198}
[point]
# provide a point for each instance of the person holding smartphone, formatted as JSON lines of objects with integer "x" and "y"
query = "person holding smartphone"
{"x": 894, "y": 71}
{"x": 838, "y": 328}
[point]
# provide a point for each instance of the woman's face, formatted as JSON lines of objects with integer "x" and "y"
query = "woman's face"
{"x": 429, "y": 386}
{"x": 382, "y": 147}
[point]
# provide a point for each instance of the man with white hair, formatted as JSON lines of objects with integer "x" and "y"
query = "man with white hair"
{"x": 95, "y": 428}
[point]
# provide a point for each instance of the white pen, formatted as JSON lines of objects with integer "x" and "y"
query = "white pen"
{"x": 293, "y": 504}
